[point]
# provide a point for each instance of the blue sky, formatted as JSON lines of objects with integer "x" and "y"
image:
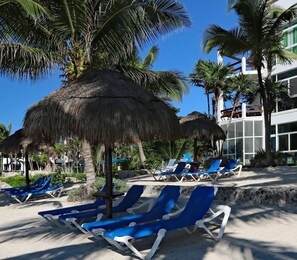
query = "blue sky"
{"x": 178, "y": 51}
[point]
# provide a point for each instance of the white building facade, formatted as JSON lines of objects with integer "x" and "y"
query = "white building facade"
{"x": 245, "y": 133}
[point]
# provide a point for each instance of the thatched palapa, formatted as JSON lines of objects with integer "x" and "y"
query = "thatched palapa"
{"x": 102, "y": 106}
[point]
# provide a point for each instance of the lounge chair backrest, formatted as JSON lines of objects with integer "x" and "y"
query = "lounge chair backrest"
{"x": 171, "y": 162}
{"x": 214, "y": 166}
{"x": 180, "y": 167}
{"x": 231, "y": 164}
{"x": 198, "y": 204}
{"x": 166, "y": 200}
{"x": 131, "y": 197}
{"x": 38, "y": 182}
{"x": 45, "y": 185}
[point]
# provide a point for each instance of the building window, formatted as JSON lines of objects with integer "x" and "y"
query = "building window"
{"x": 285, "y": 128}
{"x": 231, "y": 131}
{"x": 249, "y": 145}
{"x": 273, "y": 130}
{"x": 239, "y": 129}
{"x": 293, "y": 142}
{"x": 273, "y": 143}
{"x": 248, "y": 128}
{"x": 258, "y": 128}
{"x": 285, "y": 40}
{"x": 258, "y": 144}
{"x": 283, "y": 142}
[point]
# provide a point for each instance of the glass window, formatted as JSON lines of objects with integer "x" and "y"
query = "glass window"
{"x": 283, "y": 142}
{"x": 258, "y": 128}
{"x": 258, "y": 144}
{"x": 293, "y": 142}
{"x": 294, "y": 35}
{"x": 287, "y": 74}
{"x": 285, "y": 128}
{"x": 273, "y": 132}
{"x": 239, "y": 147}
{"x": 285, "y": 39}
{"x": 249, "y": 145}
{"x": 231, "y": 131}
{"x": 293, "y": 86}
{"x": 248, "y": 128}
{"x": 231, "y": 146}
{"x": 225, "y": 148}
{"x": 239, "y": 129}
{"x": 273, "y": 143}
{"x": 248, "y": 158}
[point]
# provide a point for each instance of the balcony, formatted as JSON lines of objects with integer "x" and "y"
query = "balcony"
{"x": 242, "y": 111}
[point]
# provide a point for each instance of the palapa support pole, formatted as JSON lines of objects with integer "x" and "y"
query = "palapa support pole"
{"x": 108, "y": 180}
{"x": 27, "y": 171}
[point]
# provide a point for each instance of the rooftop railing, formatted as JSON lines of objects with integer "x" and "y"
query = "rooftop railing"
{"x": 242, "y": 111}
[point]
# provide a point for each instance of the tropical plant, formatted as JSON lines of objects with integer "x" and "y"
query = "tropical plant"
{"x": 259, "y": 35}
{"x": 212, "y": 77}
{"x": 4, "y": 131}
{"x": 79, "y": 34}
{"x": 165, "y": 84}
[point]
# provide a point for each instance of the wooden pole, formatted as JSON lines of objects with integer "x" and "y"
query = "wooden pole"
{"x": 27, "y": 171}
{"x": 108, "y": 180}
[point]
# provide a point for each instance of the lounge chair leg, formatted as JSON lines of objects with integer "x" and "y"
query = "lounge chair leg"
{"x": 28, "y": 197}
{"x": 127, "y": 240}
{"x": 223, "y": 209}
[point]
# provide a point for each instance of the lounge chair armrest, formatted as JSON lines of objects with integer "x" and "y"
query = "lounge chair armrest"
{"x": 173, "y": 214}
{"x": 149, "y": 202}
{"x": 221, "y": 209}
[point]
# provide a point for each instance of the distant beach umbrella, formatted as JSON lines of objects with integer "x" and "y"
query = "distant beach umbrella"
{"x": 102, "y": 106}
{"x": 199, "y": 127}
{"x": 19, "y": 141}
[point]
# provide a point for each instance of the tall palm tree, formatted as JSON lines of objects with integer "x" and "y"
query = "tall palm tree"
{"x": 259, "y": 35}
{"x": 168, "y": 85}
{"x": 80, "y": 34}
{"x": 212, "y": 77}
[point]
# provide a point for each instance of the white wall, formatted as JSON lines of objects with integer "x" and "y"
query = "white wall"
{"x": 285, "y": 3}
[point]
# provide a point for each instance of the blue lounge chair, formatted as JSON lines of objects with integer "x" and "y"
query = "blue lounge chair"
{"x": 131, "y": 197}
{"x": 197, "y": 176}
{"x": 38, "y": 183}
{"x": 163, "y": 175}
{"x": 187, "y": 158}
{"x": 163, "y": 206}
{"x": 177, "y": 176}
{"x": 52, "y": 215}
{"x": 44, "y": 191}
{"x": 192, "y": 215}
{"x": 23, "y": 193}
{"x": 170, "y": 166}
{"x": 230, "y": 168}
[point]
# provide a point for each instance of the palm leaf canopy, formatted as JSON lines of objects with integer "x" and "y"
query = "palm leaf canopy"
{"x": 196, "y": 125}
{"x": 102, "y": 106}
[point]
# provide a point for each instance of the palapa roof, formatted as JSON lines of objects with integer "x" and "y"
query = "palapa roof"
{"x": 102, "y": 106}
{"x": 196, "y": 125}
{"x": 19, "y": 141}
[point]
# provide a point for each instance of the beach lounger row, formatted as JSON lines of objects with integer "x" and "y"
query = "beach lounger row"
{"x": 23, "y": 195}
{"x": 157, "y": 220}
{"x": 213, "y": 173}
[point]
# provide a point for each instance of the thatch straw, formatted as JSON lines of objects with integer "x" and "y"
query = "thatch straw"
{"x": 102, "y": 106}
{"x": 19, "y": 141}
{"x": 202, "y": 128}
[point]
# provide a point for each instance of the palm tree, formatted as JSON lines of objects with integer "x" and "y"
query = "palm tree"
{"x": 165, "y": 84}
{"x": 259, "y": 35}
{"x": 79, "y": 34}
{"x": 212, "y": 77}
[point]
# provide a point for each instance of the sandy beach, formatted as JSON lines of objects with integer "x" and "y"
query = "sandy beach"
{"x": 253, "y": 231}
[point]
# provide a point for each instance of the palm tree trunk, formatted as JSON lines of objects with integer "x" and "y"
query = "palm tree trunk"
{"x": 141, "y": 154}
{"x": 208, "y": 104}
{"x": 267, "y": 121}
{"x": 108, "y": 180}
{"x": 89, "y": 166}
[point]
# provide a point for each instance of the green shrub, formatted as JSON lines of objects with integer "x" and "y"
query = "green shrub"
{"x": 81, "y": 194}
{"x": 57, "y": 177}
{"x": 17, "y": 180}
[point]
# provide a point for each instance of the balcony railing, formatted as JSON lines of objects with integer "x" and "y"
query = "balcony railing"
{"x": 242, "y": 111}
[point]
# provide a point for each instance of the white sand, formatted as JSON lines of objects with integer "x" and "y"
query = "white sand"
{"x": 252, "y": 233}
